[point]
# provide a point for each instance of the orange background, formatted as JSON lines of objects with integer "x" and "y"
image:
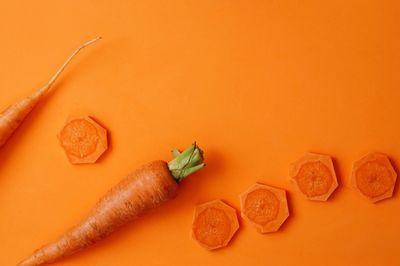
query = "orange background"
{"x": 256, "y": 83}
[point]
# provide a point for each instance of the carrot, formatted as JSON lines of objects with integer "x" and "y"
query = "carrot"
{"x": 314, "y": 176}
{"x": 374, "y": 177}
{"x": 83, "y": 140}
{"x": 144, "y": 189}
{"x": 214, "y": 224}
{"x": 14, "y": 115}
{"x": 264, "y": 207}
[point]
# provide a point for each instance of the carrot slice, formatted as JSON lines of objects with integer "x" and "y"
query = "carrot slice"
{"x": 374, "y": 177}
{"x": 314, "y": 176}
{"x": 83, "y": 140}
{"x": 214, "y": 224}
{"x": 264, "y": 207}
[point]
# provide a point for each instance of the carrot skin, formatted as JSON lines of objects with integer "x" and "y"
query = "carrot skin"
{"x": 12, "y": 117}
{"x": 144, "y": 189}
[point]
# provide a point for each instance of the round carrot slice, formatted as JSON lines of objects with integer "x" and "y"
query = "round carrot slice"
{"x": 314, "y": 176}
{"x": 264, "y": 207}
{"x": 261, "y": 206}
{"x": 79, "y": 137}
{"x": 374, "y": 177}
{"x": 314, "y": 179}
{"x": 83, "y": 140}
{"x": 214, "y": 224}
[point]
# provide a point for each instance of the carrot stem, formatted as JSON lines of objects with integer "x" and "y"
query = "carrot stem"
{"x": 186, "y": 163}
{"x": 175, "y": 153}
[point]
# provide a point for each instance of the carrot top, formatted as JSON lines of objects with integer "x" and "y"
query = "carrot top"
{"x": 186, "y": 163}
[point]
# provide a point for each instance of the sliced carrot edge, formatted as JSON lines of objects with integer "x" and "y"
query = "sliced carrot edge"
{"x": 382, "y": 159}
{"x": 326, "y": 160}
{"x": 231, "y": 217}
{"x": 282, "y": 214}
{"x": 101, "y": 146}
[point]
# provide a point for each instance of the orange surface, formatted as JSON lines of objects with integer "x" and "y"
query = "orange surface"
{"x": 256, "y": 83}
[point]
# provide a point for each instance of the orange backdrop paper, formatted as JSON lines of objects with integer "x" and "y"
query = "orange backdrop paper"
{"x": 256, "y": 83}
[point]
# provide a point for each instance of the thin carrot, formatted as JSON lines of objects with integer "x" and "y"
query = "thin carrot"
{"x": 144, "y": 189}
{"x": 264, "y": 207}
{"x": 314, "y": 176}
{"x": 374, "y": 177}
{"x": 214, "y": 224}
{"x": 14, "y": 115}
{"x": 83, "y": 140}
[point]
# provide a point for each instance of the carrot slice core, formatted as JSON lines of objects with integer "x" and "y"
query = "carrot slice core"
{"x": 374, "y": 179}
{"x": 265, "y": 207}
{"x": 79, "y": 137}
{"x": 212, "y": 227}
{"x": 214, "y": 224}
{"x": 261, "y": 206}
{"x": 314, "y": 179}
{"x": 83, "y": 140}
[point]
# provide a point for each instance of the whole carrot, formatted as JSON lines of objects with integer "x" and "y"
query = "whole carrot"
{"x": 13, "y": 116}
{"x": 144, "y": 189}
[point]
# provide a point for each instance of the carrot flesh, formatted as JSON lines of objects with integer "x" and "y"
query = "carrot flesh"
{"x": 83, "y": 140}
{"x": 12, "y": 117}
{"x": 214, "y": 224}
{"x": 374, "y": 177}
{"x": 144, "y": 189}
{"x": 264, "y": 207}
{"x": 314, "y": 176}
{"x": 210, "y": 221}
{"x": 314, "y": 179}
{"x": 261, "y": 206}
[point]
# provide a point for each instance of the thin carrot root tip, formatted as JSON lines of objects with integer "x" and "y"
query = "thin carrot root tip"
{"x": 264, "y": 207}
{"x": 374, "y": 177}
{"x": 13, "y": 116}
{"x": 314, "y": 176}
{"x": 214, "y": 224}
{"x": 83, "y": 140}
